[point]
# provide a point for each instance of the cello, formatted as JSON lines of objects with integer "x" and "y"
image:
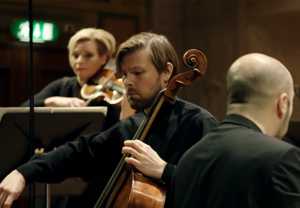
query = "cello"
{"x": 128, "y": 187}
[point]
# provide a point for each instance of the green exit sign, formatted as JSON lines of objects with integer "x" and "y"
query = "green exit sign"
{"x": 42, "y": 31}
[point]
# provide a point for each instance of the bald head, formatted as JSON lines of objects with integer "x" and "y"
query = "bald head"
{"x": 256, "y": 78}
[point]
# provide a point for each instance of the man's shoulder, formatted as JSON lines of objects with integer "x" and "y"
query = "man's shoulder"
{"x": 285, "y": 174}
{"x": 282, "y": 147}
{"x": 276, "y": 143}
{"x": 189, "y": 107}
{"x": 267, "y": 146}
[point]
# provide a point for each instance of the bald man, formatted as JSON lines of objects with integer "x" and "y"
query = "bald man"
{"x": 243, "y": 163}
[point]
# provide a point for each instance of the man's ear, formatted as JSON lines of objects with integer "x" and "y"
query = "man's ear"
{"x": 167, "y": 73}
{"x": 282, "y": 105}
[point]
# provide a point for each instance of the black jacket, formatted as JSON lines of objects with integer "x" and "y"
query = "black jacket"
{"x": 237, "y": 166}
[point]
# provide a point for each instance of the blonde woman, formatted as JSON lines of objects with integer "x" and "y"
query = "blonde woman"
{"x": 90, "y": 49}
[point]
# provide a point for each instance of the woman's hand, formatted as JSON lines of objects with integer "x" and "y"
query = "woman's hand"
{"x": 144, "y": 158}
{"x": 64, "y": 102}
{"x": 11, "y": 188}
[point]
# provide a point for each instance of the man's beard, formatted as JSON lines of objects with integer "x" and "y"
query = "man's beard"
{"x": 140, "y": 105}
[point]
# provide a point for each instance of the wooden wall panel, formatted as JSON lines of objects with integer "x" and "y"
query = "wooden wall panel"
{"x": 122, "y": 26}
{"x": 50, "y": 64}
{"x": 210, "y": 26}
{"x": 225, "y": 30}
{"x": 270, "y": 27}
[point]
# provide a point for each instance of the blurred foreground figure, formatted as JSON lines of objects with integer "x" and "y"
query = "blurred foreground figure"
{"x": 243, "y": 162}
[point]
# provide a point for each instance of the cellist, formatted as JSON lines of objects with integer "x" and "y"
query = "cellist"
{"x": 147, "y": 61}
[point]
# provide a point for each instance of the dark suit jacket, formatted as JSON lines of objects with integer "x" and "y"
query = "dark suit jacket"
{"x": 237, "y": 166}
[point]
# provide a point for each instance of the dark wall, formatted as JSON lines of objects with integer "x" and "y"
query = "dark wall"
{"x": 207, "y": 25}
{"x": 224, "y": 30}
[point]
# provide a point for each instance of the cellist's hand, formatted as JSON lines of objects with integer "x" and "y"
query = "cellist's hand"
{"x": 11, "y": 188}
{"x": 144, "y": 158}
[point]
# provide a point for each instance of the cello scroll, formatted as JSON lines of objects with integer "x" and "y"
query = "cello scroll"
{"x": 193, "y": 59}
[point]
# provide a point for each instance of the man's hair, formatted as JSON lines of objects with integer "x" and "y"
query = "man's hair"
{"x": 160, "y": 49}
{"x": 106, "y": 43}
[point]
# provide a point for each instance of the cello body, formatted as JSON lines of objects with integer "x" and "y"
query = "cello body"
{"x": 140, "y": 191}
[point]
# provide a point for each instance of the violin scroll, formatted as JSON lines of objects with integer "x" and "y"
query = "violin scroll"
{"x": 104, "y": 87}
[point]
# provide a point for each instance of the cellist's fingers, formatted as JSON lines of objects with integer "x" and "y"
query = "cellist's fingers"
{"x": 134, "y": 162}
{"x": 131, "y": 151}
{"x": 138, "y": 145}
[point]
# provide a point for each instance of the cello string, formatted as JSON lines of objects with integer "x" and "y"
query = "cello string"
{"x": 169, "y": 94}
{"x": 113, "y": 179}
{"x": 140, "y": 134}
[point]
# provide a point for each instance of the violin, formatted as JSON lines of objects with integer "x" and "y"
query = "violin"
{"x": 128, "y": 187}
{"x": 105, "y": 86}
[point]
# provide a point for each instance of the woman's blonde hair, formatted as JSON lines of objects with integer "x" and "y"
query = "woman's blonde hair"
{"x": 106, "y": 42}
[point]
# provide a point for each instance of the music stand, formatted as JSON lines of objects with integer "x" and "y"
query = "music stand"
{"x": 53, "y": 127}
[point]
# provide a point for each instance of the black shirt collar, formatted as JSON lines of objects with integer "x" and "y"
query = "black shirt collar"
{"x": 241, "y": 120}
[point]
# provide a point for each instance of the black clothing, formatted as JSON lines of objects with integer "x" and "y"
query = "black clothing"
{"x": 293, "y": 141}
{"x": 69, "y": 87}
{"x": 292, "y": 136}
{"x": 178, "y": 126}
{"x": 235, "y": 166}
